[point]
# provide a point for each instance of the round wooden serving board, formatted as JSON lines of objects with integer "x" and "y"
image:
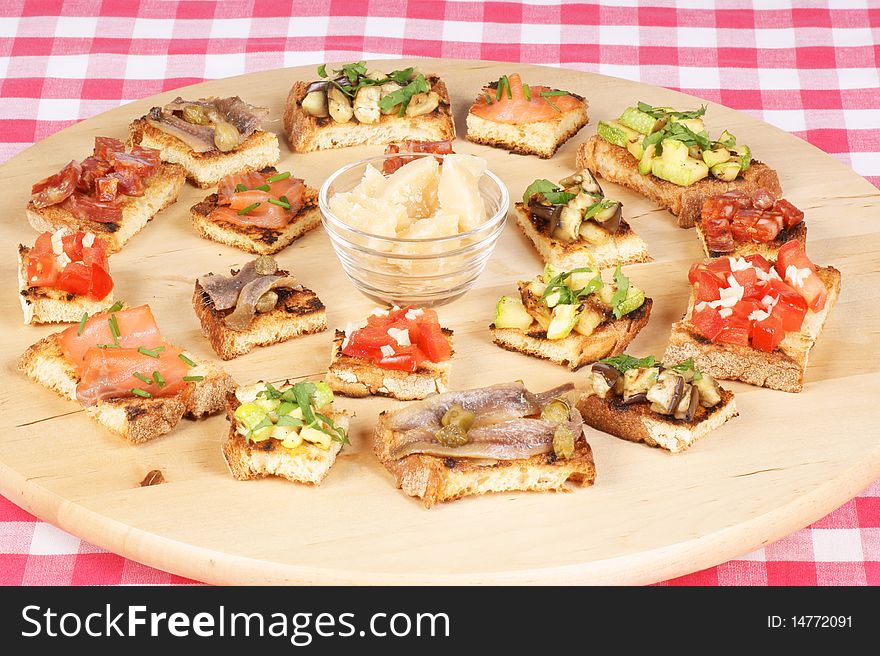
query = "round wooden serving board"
{"x": 784, "y": 462}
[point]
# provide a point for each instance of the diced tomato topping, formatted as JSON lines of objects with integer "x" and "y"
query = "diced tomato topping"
{"x": 811, "y": 287}
{"x": 789, "y": 306}
{"x": 86, "y": 274}
{"x": 748, "y": 280}
{"x": 426, "y": 339}
{"x": 706, "y": 283}
{"x": 735, "y": 331}
{"x": 75, "y": 279}
{"x": 767, "y": 333}
{"x": 708, "y": 322}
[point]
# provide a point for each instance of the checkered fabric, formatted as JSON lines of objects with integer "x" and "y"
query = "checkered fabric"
{"x": 807, "y": 66}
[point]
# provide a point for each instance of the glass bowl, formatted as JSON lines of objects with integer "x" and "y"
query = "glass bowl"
{"x": 424, "y": 272}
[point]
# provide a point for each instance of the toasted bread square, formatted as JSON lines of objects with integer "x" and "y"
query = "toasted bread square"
{"x": 298, "y": 312}
{"x": 767, "y": 249}
{"x": 254, "y": 239}
{"x": 434, "y": 479}
{"x": 248, "y": 460}
{"x": 306, "y": 133}
{"x": 576, "y": 350}
{"x": 205, "y": 170}
{"x": 624, "y": 246}
{"x": 160, "y": 190}
{"x": 783, "y": 369}
{"x": 359, "y": 377}
{"x": 541, "y": 138}
{"x": 50, "y": 305}
{"x": 638, "y": 423}
{"x": 136, "y": 419}
{"x": 616, "y": 164}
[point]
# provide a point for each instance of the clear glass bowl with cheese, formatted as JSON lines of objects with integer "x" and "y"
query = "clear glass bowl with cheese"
{"x": 421, "y": 235}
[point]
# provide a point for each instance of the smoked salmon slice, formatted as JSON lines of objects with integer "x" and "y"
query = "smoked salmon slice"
{"x": 123, "y": 372}
{"x": 247, "y": 191}
{"x": 515, "y": 105}
{"x": 137, "y": 327}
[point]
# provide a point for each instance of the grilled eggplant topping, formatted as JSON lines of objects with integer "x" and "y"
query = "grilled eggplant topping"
{"x": 710, "y": 391}
{"x": 609, "y": 373}
{"x": 638, "y": 381}
{"x": 666, "y": 394}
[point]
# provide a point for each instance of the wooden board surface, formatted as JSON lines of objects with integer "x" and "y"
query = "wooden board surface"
{"x": 786, "y": 461}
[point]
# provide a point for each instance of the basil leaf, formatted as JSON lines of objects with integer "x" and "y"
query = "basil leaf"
{"x": 624, "y": 362}
{"x": 332, "y": 430}
{"x": 402, "y": 96}
{"x": 303, "y": 392}
{"x": 622, "y": 283}
{"x": 558, "y": 197}
{"x": 287, "y": 420}
{"x": 687, "y": 365}
{"x": 402, "y": 77}
{"x": 322, "y": 70}
{"x": 597, "y": 207}
{"x": 539, "y": 187}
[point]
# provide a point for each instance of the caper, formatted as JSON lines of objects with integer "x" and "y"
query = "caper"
{"x": 267, "y": 302}
{"x": 458, "y": 416}
{"x": 563, "y": 441}
{"x": 226, "y": 137}
{"x": 452, "y": 436}
{"x": 265, "y": 265}
{"x": 556, "y": 412}
{"x": 195, "y": 114}
{"x": 422, "y": 103}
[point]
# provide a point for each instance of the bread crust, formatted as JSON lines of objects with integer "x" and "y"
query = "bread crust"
{"x": 624, "y": 246}
{"x": 638, "y": 423}
{"x": 298, "y": 312}
{"x": 576, "y": 350}
{"x": 436, "y": 479}
{"x": 160, "y": 190}
{"x": 783, "y": 369}
{"x": 258, "y": 150}
{"x": 541, "y": 138}
{"x": 253, "y": 239}
{"x": 136, "y": 419}
{"x": 306, "y": 133}
{"x": 618, "y": 165}
{"x": 359, "y": 377}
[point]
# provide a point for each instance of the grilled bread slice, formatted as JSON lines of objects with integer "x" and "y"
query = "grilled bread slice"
{"x": 205, "y": 170}
{"x": 624, "y": 246}
{"x": 783, "y": 369}
{"x": 161, "y": 190}
{"x": 638, "y": 423}
{"x": 49, "y": 305}
{"x": 254, "y": 239}
{"x": 298, "y": 312}
{"x": 307, "y": 133}
{"x": 136, "y": 419}
{"x": 541, "y": 138}
{"x": 576, "y": 350}
{"x": 359, "y": 377}
{"x": 435, "y": 479}
{"x": 616, "y": 164}
{"x": 250, "y": 460}
{"x": 767, "y": 249}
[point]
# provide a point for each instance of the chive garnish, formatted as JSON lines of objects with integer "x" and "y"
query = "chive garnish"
{"x": 142, "y": 378}
{"x": 137, "y": 391}
{"x": 546, "y": 95}
{"x": 153, "y": 353}
{"x": 116, "y": 307}
{"x": 280, "y": 203}
{"x": 186, "y": 359}
{"x": 193, "y": 379}
{"x": 527, "y": 92}
{"x": 279, "y": 176}
{"x": 502, "y": 82}
{"x": 240, "y": 188}
{"x": 262, "y": 187}
{"x": 82, "y": 324}
{"x": 114, "y": 328}
{"x": 489, "y": 100}
{"x": 109, "y": 346}
{"x": 284, "y": 199}
{"x": 250, "y": 207}
{"x": 160, "y": 381}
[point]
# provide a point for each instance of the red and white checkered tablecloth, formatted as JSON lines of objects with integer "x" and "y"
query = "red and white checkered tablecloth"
{"x": 809, "y": 67}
